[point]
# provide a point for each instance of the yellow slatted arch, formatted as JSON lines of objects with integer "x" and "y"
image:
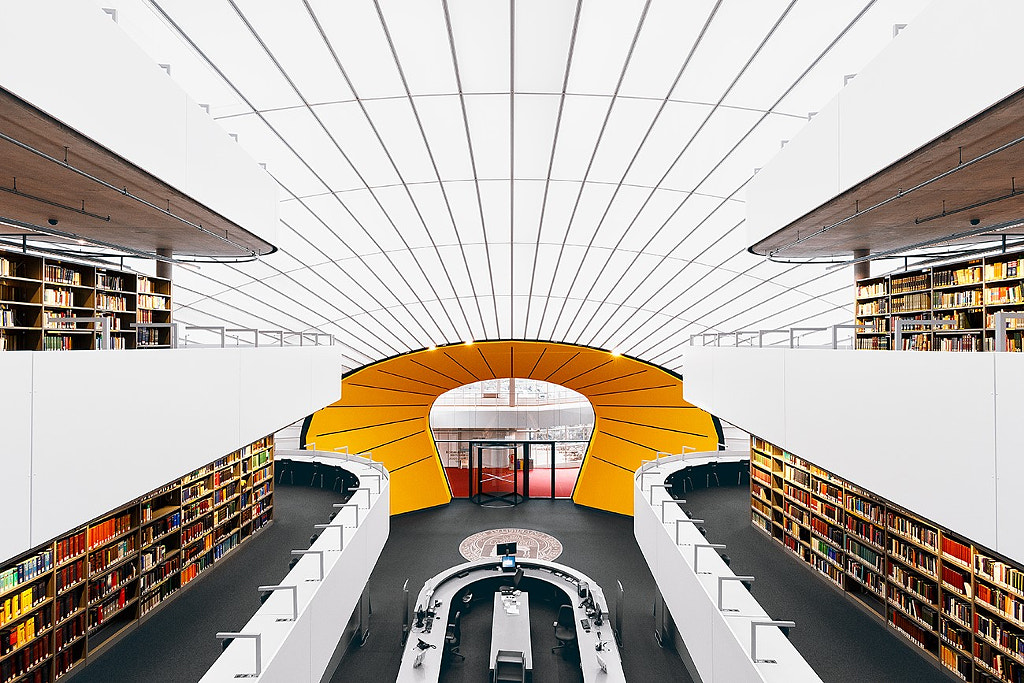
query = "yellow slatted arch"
{"x": 638, "y": 408}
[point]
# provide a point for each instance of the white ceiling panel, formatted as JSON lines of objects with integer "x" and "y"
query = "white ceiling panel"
{"x": 418, "y": 32}
{"x": 558, "y": 232}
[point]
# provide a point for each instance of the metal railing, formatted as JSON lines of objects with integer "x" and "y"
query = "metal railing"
{"x": 902, "y": 327}
{"x": 218, "y": 336}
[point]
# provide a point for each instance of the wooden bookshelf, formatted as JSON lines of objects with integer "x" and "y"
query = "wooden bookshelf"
{"x": 64, "y": 601}
{"x": 36, "y": 292}
{"x": 968, "y": 294}
{"x": 957, "y": 601}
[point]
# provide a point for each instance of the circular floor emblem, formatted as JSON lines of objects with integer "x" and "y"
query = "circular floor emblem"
{"x": 533, "y": 544}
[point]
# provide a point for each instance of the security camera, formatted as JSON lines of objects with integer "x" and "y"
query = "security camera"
{"x": 975, "y": 221}
{"x": 52, "y": 221}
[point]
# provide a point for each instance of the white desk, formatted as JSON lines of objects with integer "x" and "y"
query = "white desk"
{"x": 717, "y": 639}
{"x": 445, "y": 586}
{"x": 510, "y": 630}
{"x": 300, "y": 649}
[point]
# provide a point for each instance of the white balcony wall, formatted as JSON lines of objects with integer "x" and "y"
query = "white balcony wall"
{"x": 79, "y": 67}
{"x": 86, "y": 431}
{"x": 937, "y": 433}
{"x": 931, "y": 78}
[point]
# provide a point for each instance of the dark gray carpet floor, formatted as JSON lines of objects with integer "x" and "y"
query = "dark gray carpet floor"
{"x": 840, "y": 639}
{"x": 176, "y": 644}
{"x": 423, "y": 543}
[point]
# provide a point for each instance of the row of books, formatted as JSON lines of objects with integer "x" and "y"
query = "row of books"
{"x": 16, "y": 636}
{"x": 103, "y": 586}
{"x": 908, "y": 283}
{"x": 62, "y": 275}
{"x": 8, "y": 267}
{"x": 1004, "y": 295}
{"x": 960, "y": 276}
{"x": 58, "y": 297}
{"x": 957, "y": 299}
{"x": 109, "y": 528}
{"x": 158, "y": 302}
{"x": 111, "y": 302}
{"x": 999, "y": 572}
{"x": 162, "y": 526}
{"x": 108, "y": 281}
{"x": 907, "y": 527}
{"x": 26, "y": 570}
{"x": 69, "y": 547}
{"x": 871, "y": 289}
{"x": 101, "y": 559}
{"x": 1003, "y": 269}
{"x": 909, "y": 303}
{"x": 21, "y": 603}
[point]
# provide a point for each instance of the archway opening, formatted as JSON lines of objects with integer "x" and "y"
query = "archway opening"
{"x": 508, "y": 439}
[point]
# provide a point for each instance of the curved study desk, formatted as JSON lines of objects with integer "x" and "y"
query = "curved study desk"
{"x": 727, "y": 634}
{"x": 451, "y": 583}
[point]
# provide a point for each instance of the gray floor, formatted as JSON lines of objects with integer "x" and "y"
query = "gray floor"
{"x": 841, "y": 640}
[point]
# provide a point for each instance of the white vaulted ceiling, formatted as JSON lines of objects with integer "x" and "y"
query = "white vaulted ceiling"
{"x": 567, "y": 170}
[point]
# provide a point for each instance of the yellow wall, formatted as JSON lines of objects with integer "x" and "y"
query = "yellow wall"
{"x": 384, "y": 408}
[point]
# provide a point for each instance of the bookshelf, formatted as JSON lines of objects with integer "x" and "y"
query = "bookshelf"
{"x": 968, "y": 294}
{"x": 959, "y": 602}
{"x": 62, "y": 602}
{"x": 36, "y": 292}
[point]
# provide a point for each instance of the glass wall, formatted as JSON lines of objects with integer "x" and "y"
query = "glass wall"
{"x": 515, "y": 410}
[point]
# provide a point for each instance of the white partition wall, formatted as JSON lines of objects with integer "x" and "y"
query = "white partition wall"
{"x": 86, "y": 431}
{"x": 937, "y": 433}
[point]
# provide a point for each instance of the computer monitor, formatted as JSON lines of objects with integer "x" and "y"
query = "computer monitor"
{"x": 502, "y": 549}
{"x": 508, "y": 563}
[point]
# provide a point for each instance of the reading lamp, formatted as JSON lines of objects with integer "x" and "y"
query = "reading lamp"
{"x": 228, "y": 637}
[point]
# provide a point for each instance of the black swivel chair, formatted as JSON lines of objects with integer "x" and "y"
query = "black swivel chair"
{"x": 453, "y": 637}
{"x": 510, "y": 667}
{"x": 712, "y": 472}
{"x": 565, "y": 628}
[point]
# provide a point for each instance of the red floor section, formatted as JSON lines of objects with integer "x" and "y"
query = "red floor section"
{"x": 540, "y": 481}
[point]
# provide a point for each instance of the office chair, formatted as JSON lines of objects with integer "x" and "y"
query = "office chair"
{"x": 712, "y": 472}
{"x": 565, "y": 628}
{"x": 453, "y": 637}
{"x": 509, "y": 665}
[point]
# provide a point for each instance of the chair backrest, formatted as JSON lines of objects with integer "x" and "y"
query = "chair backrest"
{"x": 511, "y": 657}
{"x": 565, "y": 616}
{"x": 453, "y": 635}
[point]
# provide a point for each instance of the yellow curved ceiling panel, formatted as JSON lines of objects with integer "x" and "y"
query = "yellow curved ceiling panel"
{"x": 385, "y": 407}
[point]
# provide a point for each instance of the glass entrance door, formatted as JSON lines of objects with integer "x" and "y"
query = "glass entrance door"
{"x": 540, "y": 461}
{"x": 497, "y": 477}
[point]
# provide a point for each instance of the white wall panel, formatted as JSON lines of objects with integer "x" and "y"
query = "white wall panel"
{"x": 15, "y": 452}
{"x": 926, "y": 430}
{"x": 817, "y": 144}
{"x": 1009, "y": 447}
{"x": 896, "y": 104}
{"x": 99, "y": 429}
{"x": 88, "y": 74}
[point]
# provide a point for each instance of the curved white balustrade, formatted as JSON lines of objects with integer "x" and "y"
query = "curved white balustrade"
{"x": 299, "y": 628}
{"x": 718, "y": 620}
